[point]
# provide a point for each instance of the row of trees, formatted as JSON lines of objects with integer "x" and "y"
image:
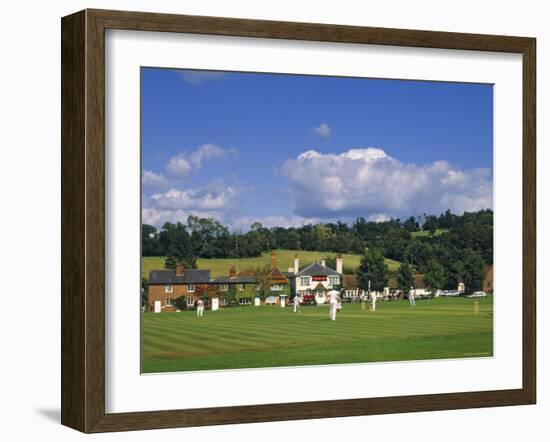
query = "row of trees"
{"x": 373, "y": 272}
{"x": 452, "y": 248}
{"x": 449, "y": 235}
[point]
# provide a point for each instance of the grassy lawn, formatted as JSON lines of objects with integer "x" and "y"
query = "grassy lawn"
{"x": 247, "y": 337}
{"x": 285, "y": 259}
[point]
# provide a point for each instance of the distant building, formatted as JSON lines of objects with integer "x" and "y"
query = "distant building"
{"x": 316, "y": 280}
{"x": 165, "y": 286}
{"x": 241, "y": 288}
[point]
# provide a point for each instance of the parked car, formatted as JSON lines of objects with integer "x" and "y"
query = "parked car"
{"x": 450, "y": 293}
{"x": 477, "y": 295}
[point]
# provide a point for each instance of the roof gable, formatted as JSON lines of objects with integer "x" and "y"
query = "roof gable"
{"x": 190, "y": 276}
{"x": 317, "y": 269}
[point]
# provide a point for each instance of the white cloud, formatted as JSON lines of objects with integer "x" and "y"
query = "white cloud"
{"x": 216, "y": 200}
{"x": 323, "y": 130}
{"x": 198, "y": 77}
{"x": 152, "y": 179}
{"x": 215, "y": 196}
{"x": 207, "y": 152}
{"x": 368, "y": 182}
{"x": 181, "y": 164}
{"x": 178, "y": 166}
{"x": 157, "y": 217}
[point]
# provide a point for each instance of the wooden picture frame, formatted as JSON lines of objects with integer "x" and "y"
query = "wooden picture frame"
{"x": 83, "y": 220}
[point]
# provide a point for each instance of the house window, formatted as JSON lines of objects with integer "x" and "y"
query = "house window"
{"x": 224, "y": 288}
{"x": 224, "y": 301}
{"x": 304, "y": 280}
{"x": 276, "y": 287}
{"x": 241, "y": 287}
{"x": 191, "y": 288}
{"x": 333, "y": 280}
{"x": 168, "y": 289}
{"x": 169, "y": 301}
{"x": 270, "y": 300}
{"x": 245, "y": 301}
{"x": 190, "y": 302}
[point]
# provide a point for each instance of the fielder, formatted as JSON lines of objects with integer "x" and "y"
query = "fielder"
{"x": 373, "y": 301}
{"x": 363, "y": 299}
{"x": 411, "y": 297}
{"x": 296, "y": 304}
{"x": 334, "y": 301}
{"x": 200, "y": 307}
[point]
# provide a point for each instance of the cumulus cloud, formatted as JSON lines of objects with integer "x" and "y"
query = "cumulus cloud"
{"x": 199, "y": 77}
{"x": 215, "y": 196}
{"x": 323, "y": 130}
{"x": 368, "y": 182}
{"x": 152, "y": 179}
{"x": 178, "y": 165}
{"x": 157, "y": 217}
{"x": 207, "y": 152}
{"x": 216, "y": 200}
{"x": 181, "y": 164}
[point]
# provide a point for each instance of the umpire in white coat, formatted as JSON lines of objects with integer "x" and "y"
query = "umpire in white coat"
{"x": 334, "y": 301}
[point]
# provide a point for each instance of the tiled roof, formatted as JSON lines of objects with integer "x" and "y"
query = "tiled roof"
{"x": 278, "y": 277}
{"x": 316, "y": 269}
{"x": 190, "y": 276}
{"x": 239, "y": 279}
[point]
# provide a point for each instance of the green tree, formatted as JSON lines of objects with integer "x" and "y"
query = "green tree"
{"x": 434, "y": 277}
{"x": 404, "y": 277}
{"x": 180, "y": 303}
{"x": 411, "y": 224}
{"x": 177, "y": 243}
{"x": 149, "y": 241}
{"x": 263, "y": 279}
{"x": 430, "y": 224}
{"x": 473, "y": 270}
{"x": 373, "y": 269}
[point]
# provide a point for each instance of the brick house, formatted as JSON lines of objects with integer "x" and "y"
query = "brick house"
{"x": 240, "y": 287}
{"x": 165, "y": 286}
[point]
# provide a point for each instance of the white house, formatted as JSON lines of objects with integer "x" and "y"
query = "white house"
{"x": 316, "y": 279}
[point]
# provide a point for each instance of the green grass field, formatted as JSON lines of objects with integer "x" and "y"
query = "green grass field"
{"x": 247, "y": 337}
{"x": 285, "y": 259}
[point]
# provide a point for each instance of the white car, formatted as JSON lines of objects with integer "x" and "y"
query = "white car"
{"x": 449, "y": 293}
{"x": 477, "y": 295}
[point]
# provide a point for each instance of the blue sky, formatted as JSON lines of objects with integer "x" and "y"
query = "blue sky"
{"x": 288, "y": 149}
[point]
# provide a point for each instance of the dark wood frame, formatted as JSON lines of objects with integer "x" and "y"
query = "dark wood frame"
{"x": 83, "y": 217}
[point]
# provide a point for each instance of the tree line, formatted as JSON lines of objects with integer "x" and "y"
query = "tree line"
{"x": 451, "y": 247}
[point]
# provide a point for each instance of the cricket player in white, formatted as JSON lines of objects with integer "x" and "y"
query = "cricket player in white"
{"x": 334, "y": 300}
{"x": 296, "y": 303}
{"x": 200, "y": 307}
{"x": 373, "y": 301}
{"x": 411, "y": 297}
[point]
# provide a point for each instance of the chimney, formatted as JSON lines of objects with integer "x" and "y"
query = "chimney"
{"x": 324, "y": 262}
{"x": 339, "y": 264}
{"x": 296, "y": 264}
{"x": 273, "y": 262}
{"x": 179, "y": 269}
{"x": 232, "y": 272}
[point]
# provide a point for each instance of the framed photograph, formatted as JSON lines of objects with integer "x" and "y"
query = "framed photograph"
{"x": 268, "y": 221}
